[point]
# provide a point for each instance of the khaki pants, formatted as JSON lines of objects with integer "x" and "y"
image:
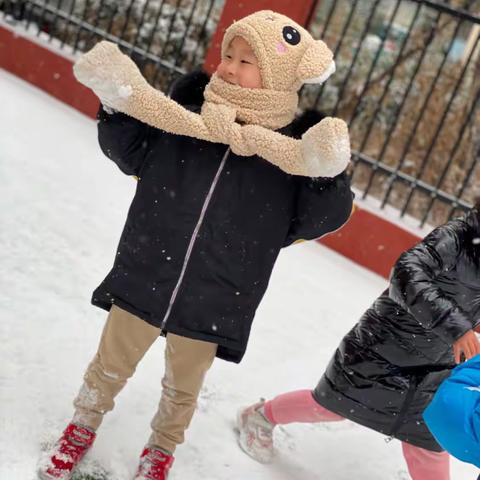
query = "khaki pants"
{"x": 125, "y": 340}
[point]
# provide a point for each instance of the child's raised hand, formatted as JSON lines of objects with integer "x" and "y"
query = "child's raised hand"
{"x": 323, "y": 151}
{"x": 326, "y": 147}
{"x": 468, "y": 344}
{"x": 112, "y": 75}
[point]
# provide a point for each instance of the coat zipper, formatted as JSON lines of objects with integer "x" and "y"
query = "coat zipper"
{"x": 194, "y": 238}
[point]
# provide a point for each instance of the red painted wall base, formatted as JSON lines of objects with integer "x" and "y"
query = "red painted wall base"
{"x": 371, "y": 241}
{"x": 45, "y": 69}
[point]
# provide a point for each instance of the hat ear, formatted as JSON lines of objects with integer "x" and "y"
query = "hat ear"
{"x": 316, "y": 64}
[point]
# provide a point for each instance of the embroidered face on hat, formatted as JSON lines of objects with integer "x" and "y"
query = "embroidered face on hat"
{"x": 288, "y": 55}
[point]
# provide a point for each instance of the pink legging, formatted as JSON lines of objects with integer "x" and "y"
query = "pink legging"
{"x": 301, "y": 407}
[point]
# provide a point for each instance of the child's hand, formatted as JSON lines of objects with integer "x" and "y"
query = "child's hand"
{"x": 109, "y": 73}
{"x": 467, "y": 344}
{"x": 326, "y": 147}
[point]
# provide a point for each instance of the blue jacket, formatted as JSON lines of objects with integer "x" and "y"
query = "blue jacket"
{"x": 453, "y": 416}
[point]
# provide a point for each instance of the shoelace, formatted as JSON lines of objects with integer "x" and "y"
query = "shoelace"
{"x": 152, "y": 464}
{"x": 72, "y": 446}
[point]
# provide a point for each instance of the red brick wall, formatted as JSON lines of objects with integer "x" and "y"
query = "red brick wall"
{"x": 45, "y": 69}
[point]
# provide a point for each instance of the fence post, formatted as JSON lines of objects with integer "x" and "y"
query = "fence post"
{"x": 298, "y": 10}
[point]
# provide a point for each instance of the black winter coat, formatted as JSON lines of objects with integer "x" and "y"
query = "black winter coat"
{"x": 206, "y": 226}
{"x": 387, "y": 368}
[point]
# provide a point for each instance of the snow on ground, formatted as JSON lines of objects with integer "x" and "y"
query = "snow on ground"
{"x": 62, "y": 209}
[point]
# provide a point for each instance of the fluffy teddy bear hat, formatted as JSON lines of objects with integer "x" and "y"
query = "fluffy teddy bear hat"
{"x": 288, "y": 55}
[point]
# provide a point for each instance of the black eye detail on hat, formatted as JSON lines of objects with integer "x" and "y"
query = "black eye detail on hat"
{"x": 291, "y": 35}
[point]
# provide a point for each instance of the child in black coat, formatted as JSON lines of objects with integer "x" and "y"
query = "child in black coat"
{"x": 205, "y": 226}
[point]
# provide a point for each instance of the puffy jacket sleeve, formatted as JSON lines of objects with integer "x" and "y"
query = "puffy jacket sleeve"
{"x": 413, "y": 282}
{"x": 124, "y": 140}
{"x": 323, "y": 205}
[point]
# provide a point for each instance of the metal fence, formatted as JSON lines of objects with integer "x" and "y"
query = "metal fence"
{"x": 166, "y": 38}
{"x": 408, "y": 83}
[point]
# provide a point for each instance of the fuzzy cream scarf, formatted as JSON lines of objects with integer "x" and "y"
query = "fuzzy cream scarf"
{"x": 245, "y": 119}
{"x": 258, "y": 106}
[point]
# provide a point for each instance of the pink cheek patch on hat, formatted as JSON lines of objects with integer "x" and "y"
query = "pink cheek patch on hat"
{"x": 281, "y": 48}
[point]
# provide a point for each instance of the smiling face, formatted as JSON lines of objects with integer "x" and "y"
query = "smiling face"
{"x": 239, "y": 65}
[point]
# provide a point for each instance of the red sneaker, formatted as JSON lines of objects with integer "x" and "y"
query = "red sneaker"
{"x": 154, "y": 465}
{"x": 67, "y": 453}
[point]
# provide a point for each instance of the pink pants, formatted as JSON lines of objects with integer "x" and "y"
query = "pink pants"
{"x": 300, "y": 406}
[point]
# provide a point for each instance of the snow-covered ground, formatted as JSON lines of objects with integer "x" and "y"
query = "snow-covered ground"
{"x": 62, "y": 209}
